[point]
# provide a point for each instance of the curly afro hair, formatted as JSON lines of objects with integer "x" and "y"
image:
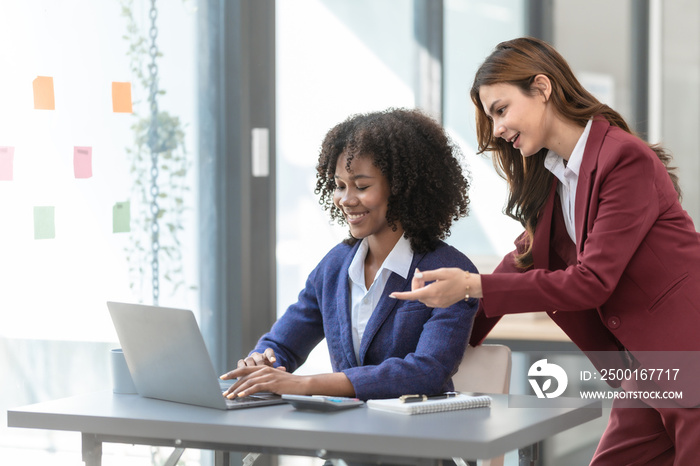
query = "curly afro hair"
{"x": 428, "y": 185}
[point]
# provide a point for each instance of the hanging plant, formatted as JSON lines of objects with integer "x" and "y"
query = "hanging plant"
{"x": 157, "y": 135}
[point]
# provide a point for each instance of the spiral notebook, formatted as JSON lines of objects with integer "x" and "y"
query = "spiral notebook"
{"x": 461, "y": 401}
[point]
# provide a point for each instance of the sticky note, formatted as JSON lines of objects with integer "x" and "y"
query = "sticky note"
{"x": 43, "y": 93}
{"x": 7, "y": 157}
{"x": 121, "y": 217}
{"x": 121, "y": 97}
{"x": 82, "y": 162}
{"x": 44, "y": 224}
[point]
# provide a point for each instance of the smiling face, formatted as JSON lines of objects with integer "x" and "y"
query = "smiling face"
{"x": 362, "y": 194}
{"x": 519, "y": 118}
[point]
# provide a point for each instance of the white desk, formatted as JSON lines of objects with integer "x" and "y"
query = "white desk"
{"x": 358, "y": 434}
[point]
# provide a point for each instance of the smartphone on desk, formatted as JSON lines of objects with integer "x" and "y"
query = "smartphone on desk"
{"x": 322, "y": 403}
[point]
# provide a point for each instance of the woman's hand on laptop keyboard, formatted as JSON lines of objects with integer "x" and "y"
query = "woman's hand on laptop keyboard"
{"x": 255, "y": 379}
{"x": 254, "y": 360}
{"x": 266, "y": 358}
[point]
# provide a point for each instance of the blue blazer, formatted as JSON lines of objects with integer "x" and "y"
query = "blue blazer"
{"x": 407, "y": 347}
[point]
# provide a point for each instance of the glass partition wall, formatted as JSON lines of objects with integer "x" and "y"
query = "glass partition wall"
{"x": 75, "y": 197}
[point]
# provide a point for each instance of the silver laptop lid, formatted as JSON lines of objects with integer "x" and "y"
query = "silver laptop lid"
{"x": 166, "y": 354}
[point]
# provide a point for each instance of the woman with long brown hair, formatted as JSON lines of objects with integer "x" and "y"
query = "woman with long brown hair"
{"x": 608, "y": 252}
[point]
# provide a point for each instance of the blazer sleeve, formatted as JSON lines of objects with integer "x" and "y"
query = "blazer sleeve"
{"x": 482, "y": 323}
{"x": 624, "y": 207}
{"x": 298, "y": 330}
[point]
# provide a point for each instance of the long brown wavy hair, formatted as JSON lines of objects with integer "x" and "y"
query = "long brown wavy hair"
{"x": 518, "y": 62}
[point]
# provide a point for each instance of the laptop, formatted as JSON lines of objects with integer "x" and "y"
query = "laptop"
{"x": 168, "y": 359}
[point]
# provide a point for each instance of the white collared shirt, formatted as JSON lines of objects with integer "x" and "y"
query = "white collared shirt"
{"x": 568, "y": 179}
{"x": 363, "y": 300}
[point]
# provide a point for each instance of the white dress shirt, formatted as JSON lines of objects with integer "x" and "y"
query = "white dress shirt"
{"x": 363, "y": 300}
{"x": 567, "y": 173}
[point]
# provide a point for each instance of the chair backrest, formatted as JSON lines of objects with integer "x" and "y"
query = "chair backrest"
{"x": 486, "y": 369}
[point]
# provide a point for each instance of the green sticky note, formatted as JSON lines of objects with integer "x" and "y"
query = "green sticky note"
{"x": 121, "y": 217}
{"x": 44, "y": 224}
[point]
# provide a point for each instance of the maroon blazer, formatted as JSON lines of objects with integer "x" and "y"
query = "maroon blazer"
{"x": 632, "y": 281}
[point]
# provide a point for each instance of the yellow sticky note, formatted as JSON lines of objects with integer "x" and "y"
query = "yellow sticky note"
{"x": 43, "y": 93}
{"x": 44, "y": 223}
{"x": 121, "y": 97}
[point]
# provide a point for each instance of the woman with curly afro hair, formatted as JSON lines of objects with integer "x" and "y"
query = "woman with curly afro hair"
{"x": 394, "y": 178}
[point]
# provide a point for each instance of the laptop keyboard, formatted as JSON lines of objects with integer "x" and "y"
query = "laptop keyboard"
{"x": 257, "y": 398}
{"x": 245, "y": 399}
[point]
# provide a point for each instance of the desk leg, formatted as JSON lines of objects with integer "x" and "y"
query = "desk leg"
{"x": 528, "y": 456}
{"x": 92, "y": 450}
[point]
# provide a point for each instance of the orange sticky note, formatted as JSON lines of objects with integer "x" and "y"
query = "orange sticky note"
{"x": 43, "y": 93}
{"x": 7, "y": 157}
{"x": 121, "y": 97}
{"x": 82, "y": 162}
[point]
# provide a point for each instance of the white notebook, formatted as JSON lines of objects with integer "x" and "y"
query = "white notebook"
{"x": 461, "y": 401}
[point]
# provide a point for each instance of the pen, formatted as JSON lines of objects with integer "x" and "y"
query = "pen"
{"x": 417, "y": 398}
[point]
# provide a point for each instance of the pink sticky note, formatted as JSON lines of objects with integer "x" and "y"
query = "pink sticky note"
{"x": 7, "y": 157}
{"x": 82, "y": 162}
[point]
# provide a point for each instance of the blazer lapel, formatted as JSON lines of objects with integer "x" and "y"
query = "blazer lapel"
{"x": 585, "y": 178}
{"x": 386, "y": 305}
{"x": 344, "y": 308}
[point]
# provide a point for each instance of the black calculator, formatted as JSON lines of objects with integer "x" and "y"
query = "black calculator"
{"x": 322, "y": 403}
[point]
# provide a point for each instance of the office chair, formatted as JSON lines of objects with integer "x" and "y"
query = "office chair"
{"x": 485, "y": 369}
